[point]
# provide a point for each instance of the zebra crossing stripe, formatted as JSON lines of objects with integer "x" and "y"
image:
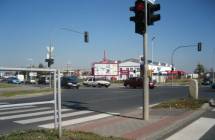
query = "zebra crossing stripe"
{"x": 40, "y": 119}
{"x": 195, "y": 130}
{"x": 25, "y": 110}
{"x": 29, "y": 114}
{"x": 77, "y": 121}
{"x": 18, "y": 107}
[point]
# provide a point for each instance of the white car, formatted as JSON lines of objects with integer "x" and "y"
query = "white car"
{"x": 96, "y": 82}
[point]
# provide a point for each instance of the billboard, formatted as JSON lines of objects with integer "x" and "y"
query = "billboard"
{"x": 105, "y": 69}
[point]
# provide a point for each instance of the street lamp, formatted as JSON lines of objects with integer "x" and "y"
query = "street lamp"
{"x": 153, "y": 38}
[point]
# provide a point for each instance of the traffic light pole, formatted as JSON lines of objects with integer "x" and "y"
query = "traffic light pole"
{"x": 145, "y": 83}
{"x": 172, "y": 63}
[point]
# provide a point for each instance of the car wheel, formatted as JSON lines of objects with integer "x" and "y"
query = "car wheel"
{"x": 107, "y": 86}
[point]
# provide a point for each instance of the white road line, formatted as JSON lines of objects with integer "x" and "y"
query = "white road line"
{"x": 151, "y": 105}
{"x": 77, "y": 121}
{"x": 18, "y": 107}
{"x": 29, "y": 114}
{"x": 29, "y": 121}
{"x": 25, "y": 110}
{"x": 195, "y": 130}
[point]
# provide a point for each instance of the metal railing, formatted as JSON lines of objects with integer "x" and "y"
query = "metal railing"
{"x": 57, "y": 97}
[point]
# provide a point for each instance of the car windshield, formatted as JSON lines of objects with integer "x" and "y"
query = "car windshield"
{"x": 72, "y": 79}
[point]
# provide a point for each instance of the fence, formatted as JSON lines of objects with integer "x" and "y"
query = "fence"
{"x": 56, "y": 91}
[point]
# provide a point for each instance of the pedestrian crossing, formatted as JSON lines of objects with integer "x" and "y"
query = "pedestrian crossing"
{"x": 196, "y": 130}
{"x": 43, "y": 117}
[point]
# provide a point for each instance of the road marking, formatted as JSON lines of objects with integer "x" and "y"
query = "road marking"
{"x": 28, "y": 121}
{"x": 195, "y": 130}
{"x": 25, "y": 110}
{"x": 112, "y": 113}
{"x": 77, "y": 121}
{"x": 152, "y": 105}
{"x": 18, "y": 107}
{"x": 29, "y": 114}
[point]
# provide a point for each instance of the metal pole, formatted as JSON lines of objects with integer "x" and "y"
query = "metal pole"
{"x": 59, "y": 106}
{"x": 146, "y": 87}
{"x": 55, "y": 101}
{"x": 153, "y": 38}
{"x": 173, "y": 52}
{"x": 50, "y": 76}
{"x": 212, "y": 64}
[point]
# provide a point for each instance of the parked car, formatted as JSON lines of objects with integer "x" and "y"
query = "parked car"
{"x": 213, "y": 85}
{"x": 70, "y": 82}
{"x": 43, "y": 80}
{"x": 13, "y": 80}
{"x": 96, "y": 82}
{"x": 206, "y": 82}
{"x": 135, "y": 82}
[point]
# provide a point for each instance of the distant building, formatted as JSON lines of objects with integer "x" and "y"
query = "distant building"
{"x": 106, "y": 68}
{"x": 121, "y": 70}
{"x": 129, "y": 68}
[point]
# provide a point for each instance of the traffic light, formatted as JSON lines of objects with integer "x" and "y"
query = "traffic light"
{"x": 199, "y": 46}
{"x": 139, "y": 18}
{"x": 86, "y": 37}
{"x": 50, "y": 62}
{"x": 151, "y": 16}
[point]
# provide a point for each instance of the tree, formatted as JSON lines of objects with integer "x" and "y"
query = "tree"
{"x": 200, "y": 70}
{"x": 41, "y": 65}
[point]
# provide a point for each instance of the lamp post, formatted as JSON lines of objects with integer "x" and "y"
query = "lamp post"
{"x": 153, "y": 38}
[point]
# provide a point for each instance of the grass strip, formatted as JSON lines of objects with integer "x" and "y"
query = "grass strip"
{"x": 183, "y": 103}
{"x": 51, "y": 134}
{"x": 5, "y": 85}
{"x": 24, "y": 92}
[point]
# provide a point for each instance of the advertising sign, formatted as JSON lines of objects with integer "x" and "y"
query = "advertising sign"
{"x": 106, "y": 69}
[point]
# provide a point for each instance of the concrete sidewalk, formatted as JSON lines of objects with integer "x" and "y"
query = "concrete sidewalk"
{"x": 131, "y": 126}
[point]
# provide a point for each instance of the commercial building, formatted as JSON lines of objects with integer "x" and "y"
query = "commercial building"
{"x": 121, "y": 70}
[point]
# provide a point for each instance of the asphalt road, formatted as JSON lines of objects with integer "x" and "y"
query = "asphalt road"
{"x": 109, "y": 99}
{"x": 95, "y": 100}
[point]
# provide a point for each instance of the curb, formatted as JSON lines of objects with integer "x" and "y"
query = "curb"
{"x": 178, "y": 124}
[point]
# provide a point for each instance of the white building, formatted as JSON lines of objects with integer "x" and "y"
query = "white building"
{"x": 129, "y": 68}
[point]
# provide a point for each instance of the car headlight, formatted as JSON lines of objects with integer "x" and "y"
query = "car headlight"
{"x": 70, "y": 84}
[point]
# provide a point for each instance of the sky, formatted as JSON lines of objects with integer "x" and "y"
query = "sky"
{"x": 28, "y": 26}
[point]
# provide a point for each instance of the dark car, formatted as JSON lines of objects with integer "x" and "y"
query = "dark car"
{"x": 13, "y": 80}
{"x": 43, "y": 80}
{"x": 135, "y": 82}
{"x": 70, "y": 82}
{"x": 213, "y": 85}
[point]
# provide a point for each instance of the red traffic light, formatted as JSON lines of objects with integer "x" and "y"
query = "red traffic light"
{"x": 140, "y": 6}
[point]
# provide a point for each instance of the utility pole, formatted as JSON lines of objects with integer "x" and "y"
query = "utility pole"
{"x": 50, "y": 60}
{"x": 144, "y": 16}
{"x": 146, "y": 80}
